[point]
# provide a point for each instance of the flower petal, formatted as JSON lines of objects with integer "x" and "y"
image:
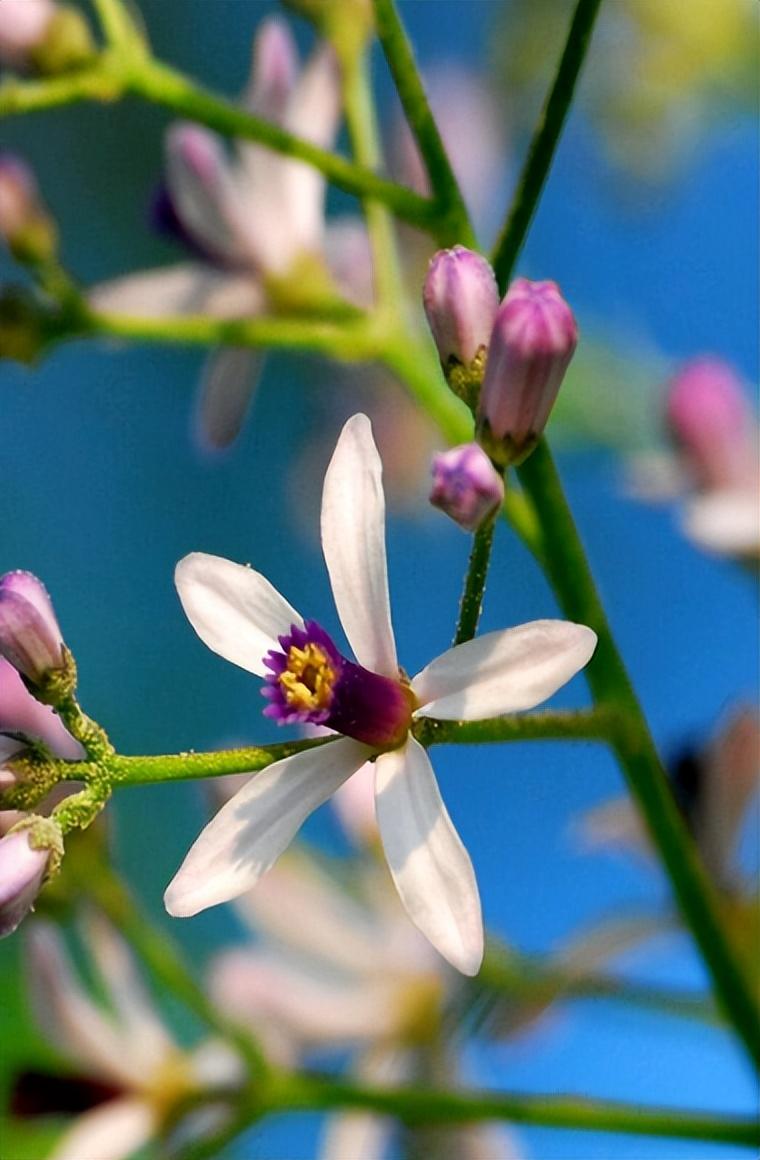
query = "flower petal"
{"x": 185, "y": 288}
{"x": 251, "y": 831}
{"x": 430, "y": 866}
{"x": 725, "y": 522}
{"x": 112, "y": 1131}
{"x": 353, "y": 542}
{"x": 226, "y": 391}
{"x": 503, "y": 672}
{"x": 234, "y": 610}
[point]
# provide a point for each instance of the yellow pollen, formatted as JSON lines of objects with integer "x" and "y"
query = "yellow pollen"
{"x": 309, "y": 678}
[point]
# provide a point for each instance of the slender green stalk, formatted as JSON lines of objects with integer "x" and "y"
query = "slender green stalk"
{"x": 365, "y": 141}
{"x": 428, "y": 1106}
{"x": 532, "y": 979}
{"x": 471, "y": 603}
{"x": 544, "y": 143}
{"x": 110, "y": 78}
{"x": 164, "y": 961}
{"x": 400, "y": 57}
{"x": 571, "y": 578}
{"x": 164, "y": 86}
{"x": 156, "y": 768}
{"x": 569, "y": 725}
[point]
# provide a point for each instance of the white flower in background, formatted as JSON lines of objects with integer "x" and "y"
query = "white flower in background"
{"x": 254, "y": 222}
{"x": 714, "y": 787}
{"x": 370, "y": 702}
{"x": 135, "y": 1071}
{"x": 339, "y": 970}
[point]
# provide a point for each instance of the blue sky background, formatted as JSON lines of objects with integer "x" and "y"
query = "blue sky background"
{"x": 103, "y": 492}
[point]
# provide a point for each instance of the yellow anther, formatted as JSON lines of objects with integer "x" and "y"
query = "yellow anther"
{"x": 309, "y": 678}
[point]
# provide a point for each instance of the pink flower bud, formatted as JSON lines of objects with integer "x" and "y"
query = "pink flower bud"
{"x": 29, "y": 634}
{"x": 461, "y": 298}
{"x": 23, "y": 24}
{"x": 18, "y": 195}
{"x": 534, "y": 337}
{"x": 466, "y": 485}
{"x": 22, "y": 869}
{"x": 709, "y": 417}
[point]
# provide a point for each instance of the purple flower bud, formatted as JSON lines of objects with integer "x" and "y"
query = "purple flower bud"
{"x": 23, "y": 25}
{"x": 709, "y": 417}
{"x": 25, "y": 224}
{"x": 22, "y": 869}
{"x": 30, "y": 638}
{"x": 466, "y": 485}
{"x": 461, "y": 298}
{"x": 533, "y": 340}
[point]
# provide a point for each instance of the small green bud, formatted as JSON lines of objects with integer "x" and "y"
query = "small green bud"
{"x": 66, "y": 46}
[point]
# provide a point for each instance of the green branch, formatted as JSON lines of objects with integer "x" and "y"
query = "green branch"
{"x": 570, "y": 725}
{"x": 544, "y": 143}
{"x": 471, "y": 603}
{"x": 428, "y": 1106}
{"x": 570, "y": 576}
{"x": 400, "y": 57}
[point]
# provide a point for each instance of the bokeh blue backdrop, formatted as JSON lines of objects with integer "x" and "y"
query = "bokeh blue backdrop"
{"x": 102, "y": 492}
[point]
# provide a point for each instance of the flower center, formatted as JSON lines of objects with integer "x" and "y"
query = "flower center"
{"x": 309, "y": 678}
{"x": 310, "y": 682}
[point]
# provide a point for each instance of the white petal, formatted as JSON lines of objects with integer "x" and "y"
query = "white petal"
{"x": 226, "y": 391}
{"x": 113, "y": 1131}
{"x": 303, "y": 909}
{"x": 503, "y": 672}
{"x": 187, "y": 288}
{"x": 429, "y": 864}
{"x": 234, "y": 610}
{"x": 311, "y": 1008}
{"x": 146, "y": 1038}
{"x": 203, "y": 189}
{"x": 251, "y": 831}
{"x": 69, "y": 1017}
{"x": 353, "y": 542}
{"x": 725, "y": 522}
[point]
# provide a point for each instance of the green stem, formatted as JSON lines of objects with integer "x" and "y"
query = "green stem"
{"x": 544, "y": 143}
{"x": 428, "y": 1106}
{"x": 531, "y": 979}
{"x": 475, "y": 583}
{"x": 164, "y": 86}
{"x": 112, "y": 76}
{"x": 571, "y": 578}
{"x": 164, "y": 961}
{"x": 365, "y": 140}
{"x": 400, "y": 57}
{"x": 569, "y": 725}
{"x": 156, "y": 768}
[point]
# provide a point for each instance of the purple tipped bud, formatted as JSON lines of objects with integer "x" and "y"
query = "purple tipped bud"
{"x": 466, "y": 485}
{"x": 25, "y": 225}
{"x": 274, "y": 69}
{"x": 709, "y": 418}
{"x": 23, "y": 25}
{"x": 30, "y": 638}
{"x": 22, "y": 870}
{"x": 461, "y": 298}
{"x": 534, "y": 337}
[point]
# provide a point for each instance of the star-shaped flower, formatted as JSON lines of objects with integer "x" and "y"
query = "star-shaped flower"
{"x": 369, "y": 701}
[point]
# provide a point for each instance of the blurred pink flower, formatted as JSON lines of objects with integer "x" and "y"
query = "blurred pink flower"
{"x": 23, "y": 24}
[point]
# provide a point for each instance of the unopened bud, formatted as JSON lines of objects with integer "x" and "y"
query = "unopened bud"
{"x": 30, "y": 638}
{"x": 709, "y": 418}
{"x": 25, "y": 225}
{"x": 534, "y": 337}
{"x": 461, "y": 299}
{"x": 466, "y": 485}
{"x": 27, "y": 854}
{"x": 23, "y": 24}
{"x": 24, "y": 324}
{"x": 65, "y": 45}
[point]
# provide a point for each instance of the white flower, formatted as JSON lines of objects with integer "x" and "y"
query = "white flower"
{"x": 239, "y": 615}
{"x": 255, "y": 222}
{"x": 125, "y": 1048}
